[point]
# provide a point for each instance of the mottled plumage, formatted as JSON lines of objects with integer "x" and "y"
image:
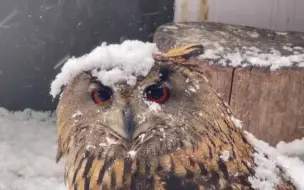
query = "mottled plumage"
{"x": 175, "y": 145}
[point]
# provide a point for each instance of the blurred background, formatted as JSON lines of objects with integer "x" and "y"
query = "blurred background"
{"x": 38, "y": 36}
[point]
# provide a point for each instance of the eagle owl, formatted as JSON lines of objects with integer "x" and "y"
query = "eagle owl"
{"x": 168, "y": 131}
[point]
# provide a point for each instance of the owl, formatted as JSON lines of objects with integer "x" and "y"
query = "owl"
{"x": 169, "y": 131}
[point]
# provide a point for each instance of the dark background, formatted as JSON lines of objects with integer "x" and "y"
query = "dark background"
{"x": 37, "y": 35}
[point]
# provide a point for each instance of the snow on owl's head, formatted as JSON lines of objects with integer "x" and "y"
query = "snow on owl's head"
{"x": 121, "y": 88}
{"x": 122, "y": 113}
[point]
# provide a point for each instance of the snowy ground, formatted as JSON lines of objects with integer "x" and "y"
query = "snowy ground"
{"x": 27, "y": 152}
{"x": 28, "y": 148}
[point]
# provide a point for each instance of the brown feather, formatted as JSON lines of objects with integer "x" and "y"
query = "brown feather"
{"x": 178, "y": 147}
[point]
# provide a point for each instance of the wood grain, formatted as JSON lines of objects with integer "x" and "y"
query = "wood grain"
{"x": 270, "y": 104}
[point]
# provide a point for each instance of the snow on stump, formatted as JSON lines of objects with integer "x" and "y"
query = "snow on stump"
{"x": 258, "y": 72}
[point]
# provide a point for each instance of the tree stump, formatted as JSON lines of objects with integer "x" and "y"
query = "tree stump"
{"x": 266, "y": 94}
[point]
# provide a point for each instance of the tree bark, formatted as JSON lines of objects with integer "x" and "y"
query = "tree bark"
{"x": 267, "y": 102}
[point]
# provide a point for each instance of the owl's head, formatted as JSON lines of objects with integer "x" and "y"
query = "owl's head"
{"x": 165, "y": 108}
{"x": 127, "y": 116}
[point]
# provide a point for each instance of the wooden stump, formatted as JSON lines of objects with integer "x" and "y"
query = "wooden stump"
{"x": 269, "y": 102}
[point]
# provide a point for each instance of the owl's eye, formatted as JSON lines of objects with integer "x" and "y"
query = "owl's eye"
{"x": 157, "y": 93}
{"x": 102, "y": 96}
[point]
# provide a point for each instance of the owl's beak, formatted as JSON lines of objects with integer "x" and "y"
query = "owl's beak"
{"x": 128, "y": 122}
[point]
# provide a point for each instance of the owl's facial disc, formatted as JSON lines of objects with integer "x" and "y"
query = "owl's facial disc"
{"x": 161, "y": 106}
{"x": 111, "y": 99}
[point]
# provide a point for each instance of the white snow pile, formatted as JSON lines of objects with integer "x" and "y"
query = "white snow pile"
{"x": 245, "y": 56}
{"x": 27, "y": 151}
{"x": 294, "y": 148}
{"x": 266, "y": 176}
{"x": 111, "y": 64}
{"x": 237, "y": 122}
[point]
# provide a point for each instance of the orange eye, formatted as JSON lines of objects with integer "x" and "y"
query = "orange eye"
{"x": 157, "y": 93}
{"x": 102, "y": 96}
